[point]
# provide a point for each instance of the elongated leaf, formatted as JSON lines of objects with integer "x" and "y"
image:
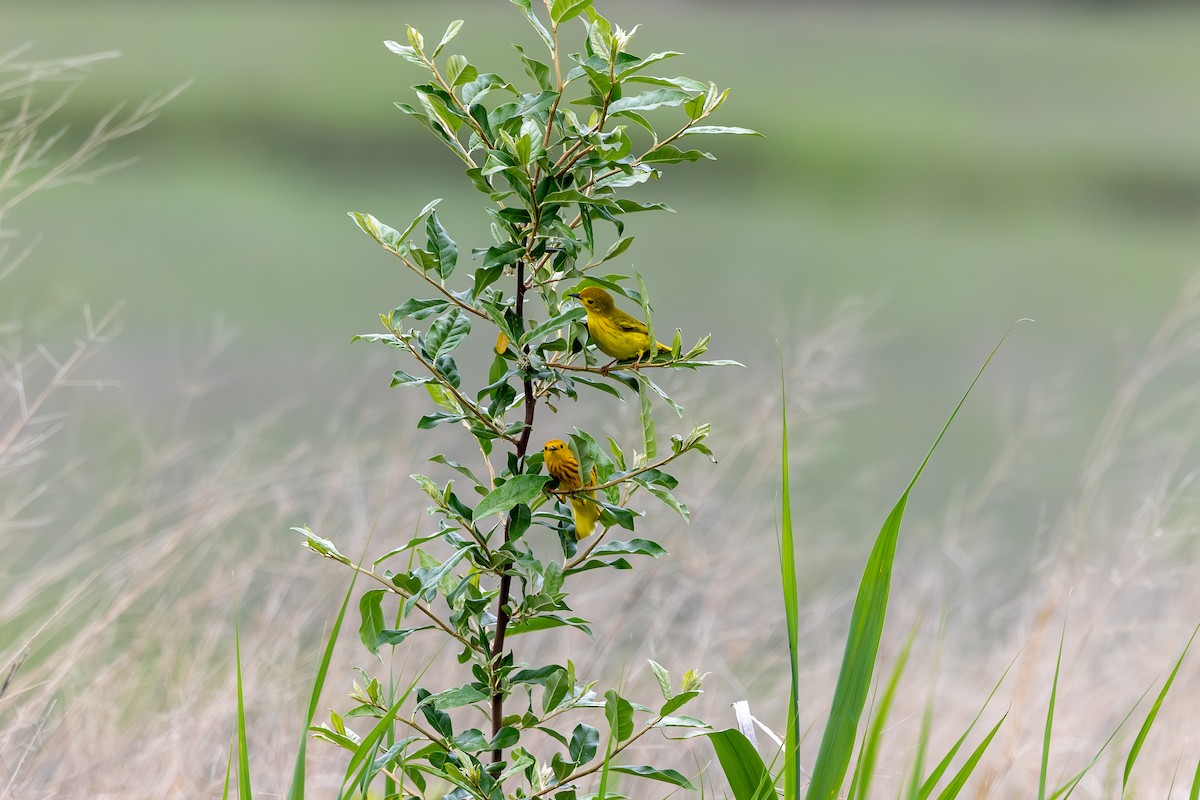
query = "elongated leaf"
{"x": 451, "y": 31}
{"x": 665, "y": 775}
{"x": 447, "y": 333}
{"x": 744, "y": 769}
{"x": 563, "y": 10}
{"x": 647, "y": 101}
{"x": 1050, "y": 717}
{"x": 791, "y": 602}
{"x": 649, "y": 437}
{"x": 455, "y": 698}
{"x": 516, "y": 490}
{"x": 555, "y": 323}
{"x": 296, "y": 788}
{"x": 720, "y": 129}
{"x": 370, "y": 607}
{"x": 1145, "y": 729}
{"x": 445, "y": 251}
{"x": 865, "y": 771}
{"x": 243, "y": 743}
{"x": 369, "y": 744}
{"x": 926, "y": 789}
{"x": 959, "y": 780}
{"x": 862, "y": 641}
{"x": 619, "y": 714}
{"x": 1068, "y": 787}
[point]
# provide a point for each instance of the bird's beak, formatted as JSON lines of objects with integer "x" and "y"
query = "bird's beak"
{"x": 574, "y": 294}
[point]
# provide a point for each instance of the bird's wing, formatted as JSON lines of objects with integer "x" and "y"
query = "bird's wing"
{"x": 627, "y": 323}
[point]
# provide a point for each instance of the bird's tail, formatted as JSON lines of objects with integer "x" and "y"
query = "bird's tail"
{"x": 587, "y": 513}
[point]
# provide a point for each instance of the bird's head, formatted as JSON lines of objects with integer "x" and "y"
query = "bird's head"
{"x": 594, "y": 298}
{"x": 554, "y": 447}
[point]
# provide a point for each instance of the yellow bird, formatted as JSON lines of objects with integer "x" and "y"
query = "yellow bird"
{"x": 617, "y": 334}
{"x": 563, "y": 467}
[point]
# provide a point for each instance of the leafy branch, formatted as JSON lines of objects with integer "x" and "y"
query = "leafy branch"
{"x": 552, "y": 176}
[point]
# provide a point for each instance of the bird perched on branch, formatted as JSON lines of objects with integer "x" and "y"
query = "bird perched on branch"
{"x": 564, "y": 467}
{"x": 614, "y": 332}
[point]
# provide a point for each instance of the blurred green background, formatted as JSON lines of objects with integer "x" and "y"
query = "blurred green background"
{"x": 957, "y": 166}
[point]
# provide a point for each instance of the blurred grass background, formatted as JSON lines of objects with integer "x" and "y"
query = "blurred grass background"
{"x": 962, "y": 166}
{"x": 954, "y": 166}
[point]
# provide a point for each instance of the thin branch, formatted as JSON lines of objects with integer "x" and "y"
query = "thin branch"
{"x": 581, "y": 773}
{"x": 424, "y": 609}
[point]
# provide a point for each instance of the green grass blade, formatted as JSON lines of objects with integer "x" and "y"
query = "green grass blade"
{"x": 744, "y": 770}
{"x": 228, "y": 772}
{"x": 935, "y": 776}
{"x": 1145, "y": 729}
{"x": 244, "y": 792}
{"x": 370, "y": 743}
{"x": 1067, "y": 788}
{"x": 791, "y": 601}
{"x": 296, "y": 789}
{"x": 960, "y": 778}
{"x": 862, "y": 641}
{"x": 870, "y": 746}
{"x": 1195, "y": 793}
{"x": 1050, "y": 717}
{"x": 914, "y": 782}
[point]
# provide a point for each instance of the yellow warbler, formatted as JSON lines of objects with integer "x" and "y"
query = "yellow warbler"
{"x": 612, "y": 330}
{"x": 564, "y": 467}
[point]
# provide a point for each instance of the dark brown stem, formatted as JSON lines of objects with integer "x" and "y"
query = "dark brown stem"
{"x": 502, "y": 615}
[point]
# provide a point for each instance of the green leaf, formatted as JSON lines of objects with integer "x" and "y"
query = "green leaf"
{"x": 681, "y": 722}
{"x": 322, "y": 547}
{"x": 516, "y": 490}
{"x": 460, "y": 71}
{"x": 663, "y": 677}
{"x": 535, "y": 69}
{"x": 536, "y": 23}
{"x": 556, "y": 688}
{"x": 370, "y": 607}
{"x": 1145, "y": 729}
{"x": 649, "y": 437}
{"x": 501, "y": 255}
{"x": 418, "y": 309}
{"x": 546, "y": 622}
{"x": 447, "y": 333}
{"x": 456, "y": 698}
{"x": 445, "y": 251}
{"x": 678, "y": 701}
{"x": 554, "y": 323}
{"x": 584, "y": 741}
{"x": 641, "y": 64}
{"x": 862, "y": 641}
{"x": 402, "y": 378}
{"x": 864, "y": 769}
{"x": 670, "y": 154}
{"x": 404, "y": 51}
{"x": 719, "y": 129}
{"x": 451, "y": 31}
{"x": 648, "y": 101}
{"x": 955, "y": 787}
{"x": 744, "y": 769}
{"x": 665, "y": 775}
{"x": 639, "y": 547}
{"x": 619, "y": 714}
{"x": 505, "y": 738}
{"x": 1050, "y": 716}
{"x": 537, "y": 676}
{"x": 393, "y": 637}
{"x": 563, "y": 10}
